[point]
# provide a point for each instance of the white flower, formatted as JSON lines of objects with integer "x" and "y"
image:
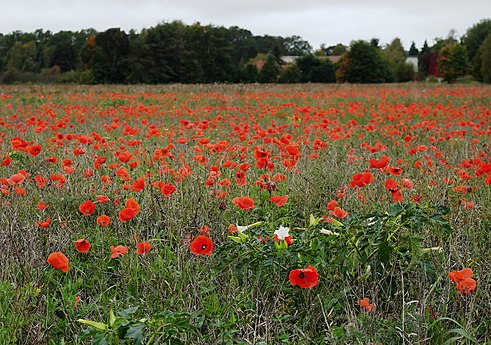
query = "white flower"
{"x": 282, "y": 233}
{"x": 328, "y": 232}
{"x": 241, "y": 228}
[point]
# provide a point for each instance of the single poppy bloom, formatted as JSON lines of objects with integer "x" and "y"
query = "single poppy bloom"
{"x": 82, "y": 245}
{"x": 457, "y": 276}
{"x": 279, "y": 200}
{"x": 131, "y": 203}
{"x": 118, "y": 251}
{"x": 43, "y": 224}
{"x": 124, "y": 156}
{"x": 167, "y": 189}
{"x": 34, "y": 150}
{"x": 102, "y": 198}
{"x": 87, "y": 208}
{"x": 201, "y": 245}
{"x": 391, "y": 185}
{"x": 127, "y": 214}
{"x": 394, "y": 171}
{"x": 244, "y": 202}
{"x": 331, "y": 205}
{"x": 465, "y": 283}
{"x": 339, "y": 212}
{"x": 59, "y": 261}
{"x": 379, "y": 164}
{"x": 143, "y": 248}
{"x": 138, "y": 185}
{"x": 42, "y": 206}
{"x": 103, "y": 220}
{"x": 304, "y": 277}
{"x": 6, "y": 161}
{"x": 365, "y": 304}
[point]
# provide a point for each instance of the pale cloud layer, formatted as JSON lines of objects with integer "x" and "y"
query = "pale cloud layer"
{"x": 317, "y": 21}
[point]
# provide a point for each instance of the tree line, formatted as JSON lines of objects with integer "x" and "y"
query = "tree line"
{"x": 174, "y": 52}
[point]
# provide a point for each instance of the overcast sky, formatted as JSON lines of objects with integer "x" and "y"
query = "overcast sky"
{"x": 317, "y": 21}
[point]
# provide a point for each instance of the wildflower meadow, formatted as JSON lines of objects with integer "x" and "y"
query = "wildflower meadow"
{"x": 245, "y": 214}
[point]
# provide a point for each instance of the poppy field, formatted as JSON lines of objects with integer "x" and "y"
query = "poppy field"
{"x": 235, "y": 214}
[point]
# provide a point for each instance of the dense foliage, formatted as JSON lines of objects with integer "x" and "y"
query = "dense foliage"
{"x": 174, "y": 52}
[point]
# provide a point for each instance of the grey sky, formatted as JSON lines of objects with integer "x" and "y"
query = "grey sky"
{"x": 316, "y": 21}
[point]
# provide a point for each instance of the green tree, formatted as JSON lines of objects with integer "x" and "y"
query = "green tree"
{"x": 395, "y": 56}
{"x": 296, "y": 46}
{"x": 453, "y": 62}
{"x": 270, "y": 71}
{"x": 485, "y": 56}
{"x": 365, "y": 64}
{"x": 474, "y": 37}
{"x": 413, "y": 51}
{"x": 107, "y": 53}
{"x": 291, "y": 74}
{"x": 23, "y": 57}
{"x": 316, "y": 70}
{"x": 424, "y": 61}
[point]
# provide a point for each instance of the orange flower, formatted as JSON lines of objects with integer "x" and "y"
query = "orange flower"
{"x": 365, "y": 304}
{"x": 87, "y": 208}
{"x": 331, "y": 205}
{"x": 143, "y": 248}
{"x": 279, "y": 200}
{"x": 118, "y": 251}
{"x": 464, "y": 280}
{"x": 59, "y": 261}
{"x": 201, "y": 245}
{"x": 304, "y": 277}
{"x": 244, "y": 202}
{"x": 103, "y": 220}
{"x": 82, "y": 245}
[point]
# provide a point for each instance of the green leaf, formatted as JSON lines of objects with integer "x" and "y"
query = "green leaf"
{"x": 99, "y": 339}
{"x": 97, "y": 325}
{"x": 112, "y": 318}
{"x": 135, "y": 333}
{"x": 127, "y": 312}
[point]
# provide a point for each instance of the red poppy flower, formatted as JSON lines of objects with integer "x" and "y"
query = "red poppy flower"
{"x": 201, "y": 245}
{"x": 143, "y": 248}
{"x": 167, "y": 189}
{"x": 279, "y": 200}
{"x": 87, "y": 208}
{"x": 465, "y": 283}
{"x": 118, "y": 251}
{"x": 138, "y": 185}
{"x": 59, "y": 261}
{"x": 244, "y": 202}
{"x": 395, "y": 171}
{"x": 362, "y": 179}
{"x": 379, "y": 164}
{"x": 365, "y": 304}
{"x": 127, "y": 213}
{"x": 304, "y": 277}
{"x": 82, "y": 245}
{"x": 391, "y": 185}
{"x": 43, "y": 224}
{"x": 34, "y": 150}
{"x": 339, "y": 212}
{"x": 331, "y": 205}
{"x": 103, "y": 220}
{"x": 42, "y": 206}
